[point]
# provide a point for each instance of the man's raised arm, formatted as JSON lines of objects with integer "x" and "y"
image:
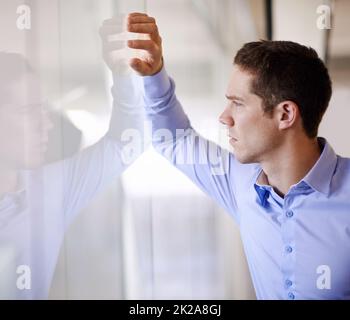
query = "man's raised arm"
{"x": 205, "y": 163}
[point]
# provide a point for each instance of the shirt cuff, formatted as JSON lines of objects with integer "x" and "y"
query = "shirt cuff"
{"x": 158, "y": 85}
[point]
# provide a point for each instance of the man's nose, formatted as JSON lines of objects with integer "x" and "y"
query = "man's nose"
{"x": 47, "y": 123}
{"x": 226, "y": 118}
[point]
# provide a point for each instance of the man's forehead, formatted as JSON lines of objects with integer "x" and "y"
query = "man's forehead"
{"x": 25, "y": 90}
{"x": 239, "y": 83}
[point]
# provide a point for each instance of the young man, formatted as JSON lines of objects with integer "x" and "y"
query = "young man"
{"x": 285, "y": 187}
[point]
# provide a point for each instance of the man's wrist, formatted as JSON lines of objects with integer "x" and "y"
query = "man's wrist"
{"x": 157, "y": 85}
{"x": 160, "y": 67}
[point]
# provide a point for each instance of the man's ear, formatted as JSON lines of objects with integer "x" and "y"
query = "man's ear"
{"x": 287, "y": 114}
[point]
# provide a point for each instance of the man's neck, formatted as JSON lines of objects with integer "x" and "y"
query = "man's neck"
{"x": 289, "y": 164}
{"x": 8, "y": 182}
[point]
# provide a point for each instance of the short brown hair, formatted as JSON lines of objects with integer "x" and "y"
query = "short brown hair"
{"x": 285, "y": 70}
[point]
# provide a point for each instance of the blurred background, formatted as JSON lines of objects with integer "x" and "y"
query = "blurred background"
{"x": 152, "y": 234}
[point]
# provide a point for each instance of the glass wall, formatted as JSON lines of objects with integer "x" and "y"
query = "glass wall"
{"x": 76, "y": 222}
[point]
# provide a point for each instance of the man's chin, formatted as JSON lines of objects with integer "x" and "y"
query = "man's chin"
{"x": 34, "y": 163}
{"x": 243, "y": 161}
{"x": 241, "y": 158}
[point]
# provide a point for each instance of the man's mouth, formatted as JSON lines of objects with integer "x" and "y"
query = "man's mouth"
{"x": 232, "y": 139}
{"x": 42, "y": 145}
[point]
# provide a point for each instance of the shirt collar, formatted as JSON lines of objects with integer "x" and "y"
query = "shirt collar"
{"x": 318, "y": 178}
{"x": 13, "y": 203}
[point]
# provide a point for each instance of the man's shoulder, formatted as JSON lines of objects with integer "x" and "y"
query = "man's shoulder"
{"x": 343, "y": 163}
{"x": 342, "y": 172}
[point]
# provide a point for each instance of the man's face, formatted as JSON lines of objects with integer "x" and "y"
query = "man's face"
{"x": 24, "y": 125}
{"x": 253, "y": 134}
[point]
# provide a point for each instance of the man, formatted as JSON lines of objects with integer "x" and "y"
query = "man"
{"x": 285, "y": 187}
{"x": 39, "y": 201}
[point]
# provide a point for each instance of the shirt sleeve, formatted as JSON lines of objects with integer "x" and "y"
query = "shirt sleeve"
{"x": 95, "y": 167}
{"x": 207, "y": 164}
{"x": 87, "y": 173}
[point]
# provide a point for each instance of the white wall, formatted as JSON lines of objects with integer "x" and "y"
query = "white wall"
{"x": 296, "y": 20}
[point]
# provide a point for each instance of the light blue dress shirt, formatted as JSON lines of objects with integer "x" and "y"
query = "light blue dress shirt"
{"x": 297, "y": 247}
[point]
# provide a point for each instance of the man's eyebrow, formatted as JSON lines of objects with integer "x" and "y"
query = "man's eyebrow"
{"x": 233, "y": 97}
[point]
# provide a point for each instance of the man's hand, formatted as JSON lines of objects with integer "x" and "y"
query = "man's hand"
{"x": 152, "y": 61}
{"x": 113, "y": 35}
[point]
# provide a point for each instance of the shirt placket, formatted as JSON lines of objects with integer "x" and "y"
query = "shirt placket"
{"x": 288, "y": 250}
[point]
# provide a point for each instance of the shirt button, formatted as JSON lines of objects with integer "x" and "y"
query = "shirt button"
{"x": 289, "y": 249}
{"x": 291, "y": 296}
{"x": 289, "y": 214}
{"x": 288, "y": 283}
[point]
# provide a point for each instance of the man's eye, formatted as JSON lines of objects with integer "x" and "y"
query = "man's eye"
{"x": 237, "y": 104}
{"x": 30, "y": 108}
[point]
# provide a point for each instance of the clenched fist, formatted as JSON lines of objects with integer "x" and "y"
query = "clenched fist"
{"x": 151, "y": 61}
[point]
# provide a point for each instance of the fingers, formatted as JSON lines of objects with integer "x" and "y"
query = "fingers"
{"x": 149, "y": 28}
{"x": 112, "y": 28}
{"x": 142, "y": 23}
{"x": 109, "y": 30}
{"x": 151, "y": 61}
{"x": 141, "y": 19}
{"x": 134, "y": 14}
{"x": 114, "y": 45}
{"x": 141, "y": 67}
{"x": 119, "y": 19}
{"x": 148, "y": 45}
{"x": 136, "y": 23}
{"x": 113, "y": 25}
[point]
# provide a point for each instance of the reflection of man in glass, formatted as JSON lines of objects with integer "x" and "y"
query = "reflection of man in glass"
{"x": 38, "y": 202}
{"x": 24, "y": 121}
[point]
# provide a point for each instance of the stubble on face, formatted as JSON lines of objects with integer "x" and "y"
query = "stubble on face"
{"x": 253, "y": 134}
